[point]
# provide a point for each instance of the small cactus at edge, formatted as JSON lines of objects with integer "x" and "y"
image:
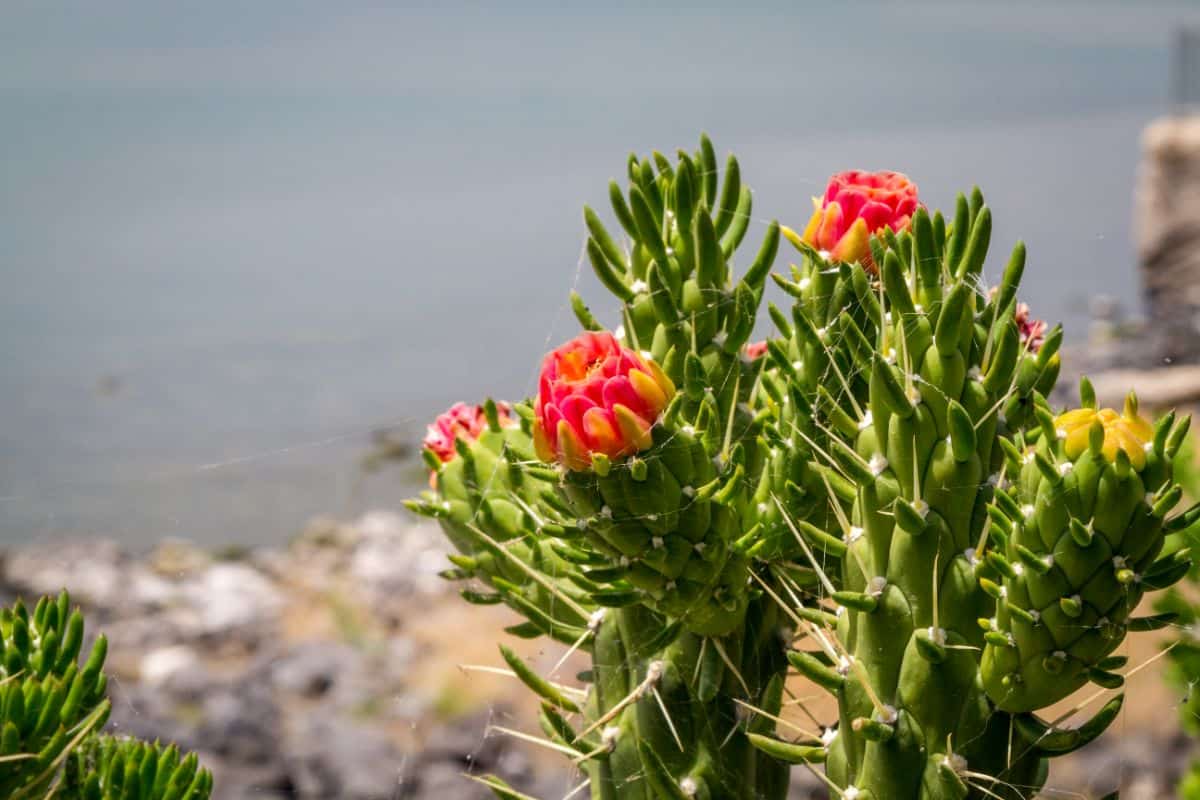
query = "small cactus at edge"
{"x": 52, "y": 708}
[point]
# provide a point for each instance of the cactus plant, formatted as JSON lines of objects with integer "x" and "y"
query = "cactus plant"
{"x": 52, "y": 709}
{"x": 878, "y": 497}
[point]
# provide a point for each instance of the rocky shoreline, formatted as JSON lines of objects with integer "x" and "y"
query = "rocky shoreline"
{"x": 299, "y": 672}
{"x": 333, "y": 667}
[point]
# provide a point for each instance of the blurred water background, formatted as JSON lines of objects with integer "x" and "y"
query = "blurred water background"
{"x": 235, "y": 239}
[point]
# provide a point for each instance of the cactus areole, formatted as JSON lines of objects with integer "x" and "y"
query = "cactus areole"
{"x": 875, "y": 497}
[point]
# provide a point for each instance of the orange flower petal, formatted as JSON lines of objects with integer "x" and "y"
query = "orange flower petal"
{"x": 1128, "y": 433}
{"x": 853, "y": 248}
{"x": 648, "y": 390}
{"x": 660, "y": 377}
{"x": 603, "y": 435}
{"x": 831, "y": 222}
{"x": 1139, "y": 427}
{"x": 574, "y": 454}
{"x": 541, "y": 442}
{"x": 814, "y": 224}
{"x": 1127, "y": 441}
{"x": 582, "y": 378}
{"x": 634, "y": 429}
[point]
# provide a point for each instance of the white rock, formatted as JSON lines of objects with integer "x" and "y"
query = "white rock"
{"x": 149, "y": 590}
{"x": 159, "y": 666}
{"x": 229, "y": 596}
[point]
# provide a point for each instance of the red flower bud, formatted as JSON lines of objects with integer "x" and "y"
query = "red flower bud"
{"x": 595, "y": 396}
{"x": 857, "y": 204}
{"x": 1032, "y": 331}
{"x": 460, "y": 421}
{"x": 756, "y": 350}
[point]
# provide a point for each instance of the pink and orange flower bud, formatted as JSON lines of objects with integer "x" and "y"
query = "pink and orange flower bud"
{"x": 756, "y": 350}
{"x": 597, "y": 397}
{"x": 1032, "y": 331}
{"x": 460, "y": 421}
{"x": 857, "y": 204}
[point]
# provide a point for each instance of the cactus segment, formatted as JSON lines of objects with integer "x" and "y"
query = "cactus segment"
{"x": 1096, "y": 493}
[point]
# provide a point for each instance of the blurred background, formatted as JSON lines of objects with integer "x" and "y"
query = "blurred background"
{"x": 236, "y": 239}
{"x": 246, "y": 245}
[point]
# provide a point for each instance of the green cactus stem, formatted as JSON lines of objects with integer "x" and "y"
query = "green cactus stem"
{"x": 878, "y": 498}
{"x": 939, "y": 561}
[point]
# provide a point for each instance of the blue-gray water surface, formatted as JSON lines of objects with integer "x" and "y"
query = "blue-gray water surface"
{"x": 235, "y": 239}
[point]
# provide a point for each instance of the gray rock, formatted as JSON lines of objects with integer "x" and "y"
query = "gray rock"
{"x": 394, "y": 558}
{"x": 240, "y": 722}
{"x": 312, "y": 669}
{"x": 1166, "y": 210}
{"x": 805, "y": 785}
{"x": 159, "y": 666}
{"x": 269, "y": 781}
{"x": 230, "y": 596}
{"x": 177, "y": 675}
{"x": 96, "y": 571}
{"x": 334, "y": 757}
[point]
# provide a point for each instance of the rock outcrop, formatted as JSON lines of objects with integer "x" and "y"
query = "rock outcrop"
{"x": 1167, "y": 231}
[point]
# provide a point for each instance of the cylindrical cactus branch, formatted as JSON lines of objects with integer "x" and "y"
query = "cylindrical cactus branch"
{"x": 651, "y": 450}
{"x": 883, "y": 481}
{"x": 667, "y": 714}
{"x": 1081, "y": 549}
{"x": 642, "y": 484}
{"x": 647, "y": 490}
{"x": 959, "y": 541}
{"x": 677, "y": 505}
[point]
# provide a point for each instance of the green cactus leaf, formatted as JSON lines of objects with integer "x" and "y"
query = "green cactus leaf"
{"x": 811, "y": 667}
{"x": 607, "y": 275}
{"x": 1152, "y": 622}
{"x": 959, "y": 231}
{"x": 583, "y": 313}
{"x": 525, "y": 630}
{"x": 731, "y": 192}
{"x": 756, "y": 275}
{"x": 1060, "y": 741}
{"x": 537, "y": 683}
{"x": 788, "y": 752}
{"x": 499, "y": 788}
{"x": 739, "y": 223}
